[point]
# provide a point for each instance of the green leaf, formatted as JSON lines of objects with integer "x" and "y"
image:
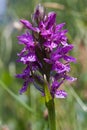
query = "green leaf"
{"x": 16, "y": 97}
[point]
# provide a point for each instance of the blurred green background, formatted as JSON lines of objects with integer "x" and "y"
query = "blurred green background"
{"x": 28, "y": 111}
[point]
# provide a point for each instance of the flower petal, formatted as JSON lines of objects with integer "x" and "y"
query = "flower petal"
{"x": 56, "y": 84}
{"x": 24, "y": 88}
{"x": 60, "y": 26}
{"x": 69, "y": 58}
{"x": 28, "y": 25}
{"x": 71, "y": 79}
{"x": 51, "y": 19}
{"x": 66, "y": 49}
{"x": 26, "y": 39}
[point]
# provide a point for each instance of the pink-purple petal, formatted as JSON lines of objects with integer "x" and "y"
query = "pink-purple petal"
{"x": 59, "y": 67}
{"x": 60, "y": 26}
{"x": 28, "y": 25}
{"x": 69, "y": 58}
{"x": 51, "y": 19}
{"x": 71, "y": 79}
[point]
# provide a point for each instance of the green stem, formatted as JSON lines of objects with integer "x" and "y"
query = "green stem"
{"x": 51, "y": 114}
{"x": 50, "y": 106}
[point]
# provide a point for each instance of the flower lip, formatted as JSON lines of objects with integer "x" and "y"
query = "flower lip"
{"x": 60, "y": 94}
{"x": 59, "y": 67}
{"x": 29, "y": 58}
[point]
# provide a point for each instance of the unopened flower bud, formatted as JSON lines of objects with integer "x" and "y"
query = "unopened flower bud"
{"x": 39, "y": 14}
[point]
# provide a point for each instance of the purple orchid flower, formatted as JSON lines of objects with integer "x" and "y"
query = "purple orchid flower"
{"x": 45, "y": 52}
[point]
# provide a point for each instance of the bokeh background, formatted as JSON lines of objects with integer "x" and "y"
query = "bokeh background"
{"x": 28, "y": 111}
